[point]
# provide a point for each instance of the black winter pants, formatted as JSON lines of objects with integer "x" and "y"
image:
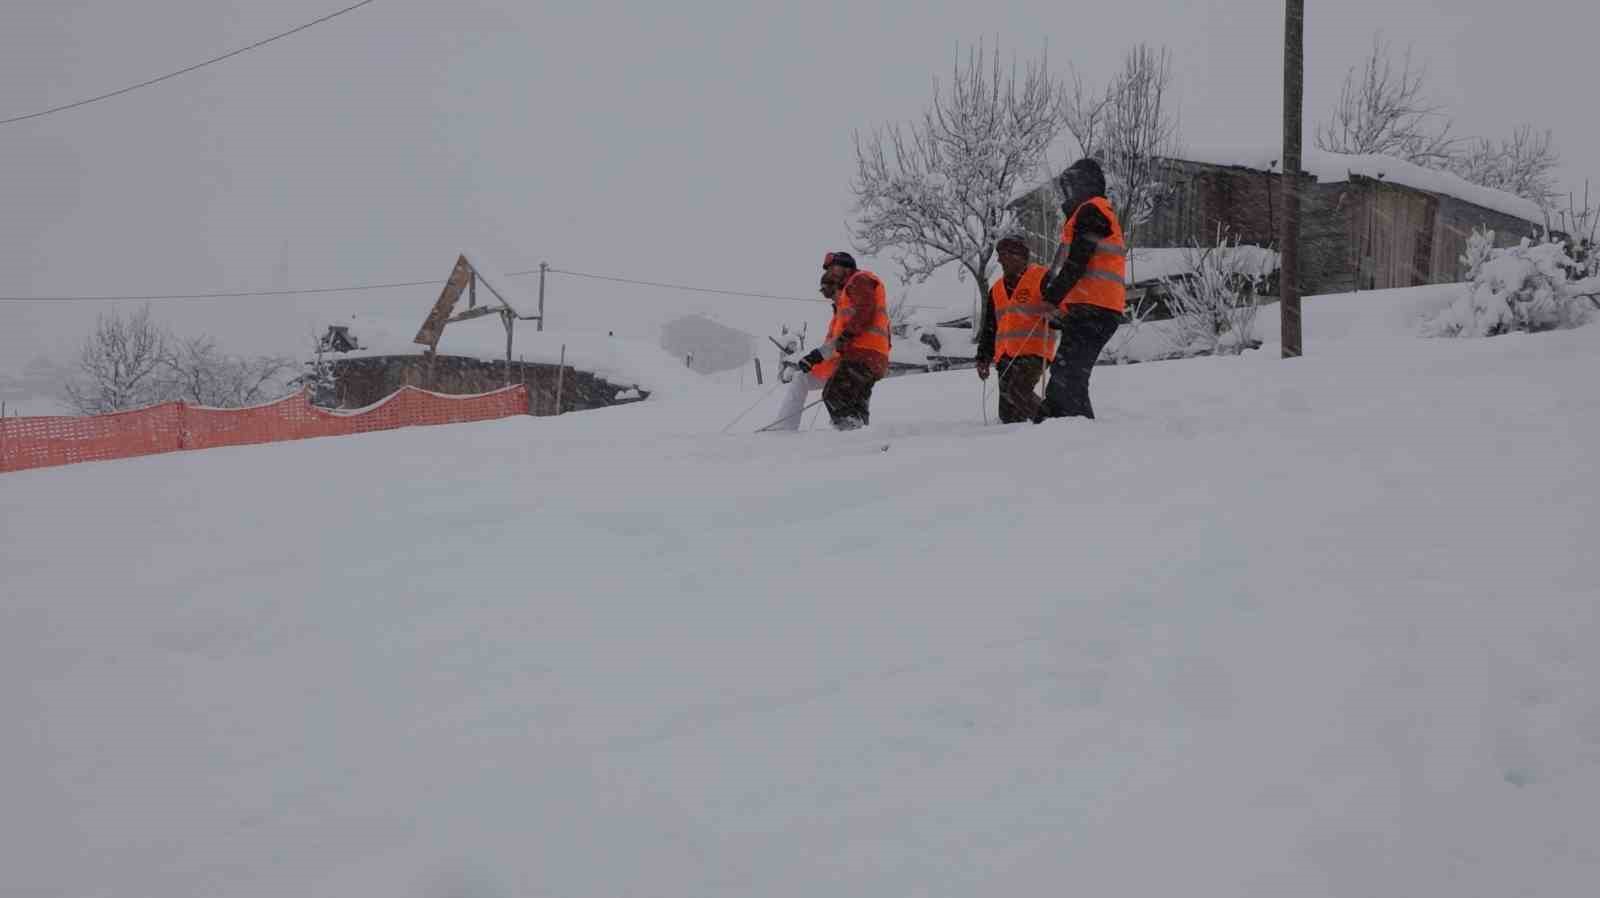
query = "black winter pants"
{"x": 1087, "y": 330}
{"x": 848, "y": 395}
{"x": 1018, "y": 378}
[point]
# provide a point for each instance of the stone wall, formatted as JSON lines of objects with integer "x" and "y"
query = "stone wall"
{"x": 362, "y": 381}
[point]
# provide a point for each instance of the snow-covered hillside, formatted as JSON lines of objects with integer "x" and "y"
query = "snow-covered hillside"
{"x": 1316, "y": 628}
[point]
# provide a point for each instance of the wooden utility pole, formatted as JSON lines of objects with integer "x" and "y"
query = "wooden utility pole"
{"x": 543, "y": 266}
{"x": 561, "y": 375}
{"x": 509, "y": 319}
{"x": 1294, "y": 40}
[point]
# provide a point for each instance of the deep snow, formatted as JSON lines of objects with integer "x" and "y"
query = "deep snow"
{"x": 1314, "y": 628}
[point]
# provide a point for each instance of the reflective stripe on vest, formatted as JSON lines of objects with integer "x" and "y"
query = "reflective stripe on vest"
{"x": 1019, "y": 332}
{"x": 875, "y": 338}
{"x": 1104, "y": 282}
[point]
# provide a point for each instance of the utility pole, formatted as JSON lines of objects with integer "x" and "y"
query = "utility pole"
{"x": 543, "y": 266}
{"x": 1294, "y": 83}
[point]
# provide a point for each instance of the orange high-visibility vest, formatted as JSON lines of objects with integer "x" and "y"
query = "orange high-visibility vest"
{"x": 1104, "y": 282}
{"x": 1018, "y": 331}
{"x": 874, "y": 339}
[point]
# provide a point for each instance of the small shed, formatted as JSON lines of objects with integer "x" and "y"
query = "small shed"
{"x": 1368, "y": 222}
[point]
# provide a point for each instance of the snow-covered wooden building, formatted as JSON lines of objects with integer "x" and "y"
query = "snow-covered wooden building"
{"x": 1368, "y": 222}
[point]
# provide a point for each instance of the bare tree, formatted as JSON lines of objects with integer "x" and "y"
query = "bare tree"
{"x": 1132, "y": 128}
{"x": 121, "y": 366}
{"x": 1523, "y": 164}
{"x": 133, "y": 362}
{"x": 939, "y": 191}
{"x": 1084, "y": 112}
{"x": 1386, "y": 112}
{"x": 200, "y": 374}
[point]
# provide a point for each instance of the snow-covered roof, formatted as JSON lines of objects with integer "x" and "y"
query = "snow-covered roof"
{"x": 1336, "y": 168}
{"x": 1025, "y": 190}
{"x": 912, "y": 350}
{"x": 620, "y": 361}
{"x": 1160, "y": 263}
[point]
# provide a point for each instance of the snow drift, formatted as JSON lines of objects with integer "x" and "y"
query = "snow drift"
{"x": 1313, "y": 628}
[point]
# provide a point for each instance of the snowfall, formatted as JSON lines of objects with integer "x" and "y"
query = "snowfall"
{"x": 1318, "y": 627}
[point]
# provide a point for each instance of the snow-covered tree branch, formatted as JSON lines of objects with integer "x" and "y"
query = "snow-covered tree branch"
{"x": 121, "y": 366}
{"x": 1523, "y": 164}
{"x": 1386, "y": 112}
{"x": 200, "y": 374}
{"x": 1132, "y": 128}
{"x": 937, "y": 191}
{"x": 133, "y": 362}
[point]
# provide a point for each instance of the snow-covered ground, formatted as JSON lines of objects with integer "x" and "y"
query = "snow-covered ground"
{"x": 1324, "y": 627}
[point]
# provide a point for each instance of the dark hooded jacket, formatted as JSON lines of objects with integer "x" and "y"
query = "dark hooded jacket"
{"x": 1080, "y": 183}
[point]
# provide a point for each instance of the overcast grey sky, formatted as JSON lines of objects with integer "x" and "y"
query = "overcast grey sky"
{"x": 703, "y": 143}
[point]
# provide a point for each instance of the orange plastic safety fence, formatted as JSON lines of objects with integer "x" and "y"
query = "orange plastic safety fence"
{"x": 63, "y": 440}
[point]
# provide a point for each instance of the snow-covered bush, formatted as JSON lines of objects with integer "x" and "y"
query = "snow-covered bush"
{"x": 1214, "y": 307}
{"x": 317, "y": 378}
{"x": 1533, "y": 286}
{"x": 1581, "y": 225}
{"x": 900, "y": 313}
{"x": 790, "y": 344}
{"x": 1121, "y": 348}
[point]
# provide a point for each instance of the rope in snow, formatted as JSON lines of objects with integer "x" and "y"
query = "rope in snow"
{"x": 759, "y": 399}
{"x": 792, "y": 415}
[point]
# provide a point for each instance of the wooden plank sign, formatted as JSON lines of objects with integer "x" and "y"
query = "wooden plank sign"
{"x": 433, "y": 327}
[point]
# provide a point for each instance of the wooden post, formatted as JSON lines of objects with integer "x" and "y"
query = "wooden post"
{"x": 561, "y": 373}
{"x": 688, "y": 360}
{"x": 510, "y": 322}
{"x": 1294, "y": 35}
{"x": 757, "y": 360}
{"x": 543, "y": 266}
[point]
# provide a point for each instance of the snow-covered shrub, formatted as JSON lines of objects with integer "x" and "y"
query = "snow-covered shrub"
{"x": 1214, "y": 307}
{"x": 900, "y": 314}
{"x": 1581, "y": 225}
{"x": 1120, "y": 350}
{"x": 1533, "y": 286}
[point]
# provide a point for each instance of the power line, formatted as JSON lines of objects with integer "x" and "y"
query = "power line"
{"x": 161, "y": 297}
{"x": 622, "y": 280}
{"x": 236, "y": 294}
{"x": 310, "y": 291}
{"x": 198, "y": 65}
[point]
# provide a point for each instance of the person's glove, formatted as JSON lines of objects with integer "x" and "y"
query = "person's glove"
{"x": 814, "y": 357}
{"x": 983, "y": 369}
